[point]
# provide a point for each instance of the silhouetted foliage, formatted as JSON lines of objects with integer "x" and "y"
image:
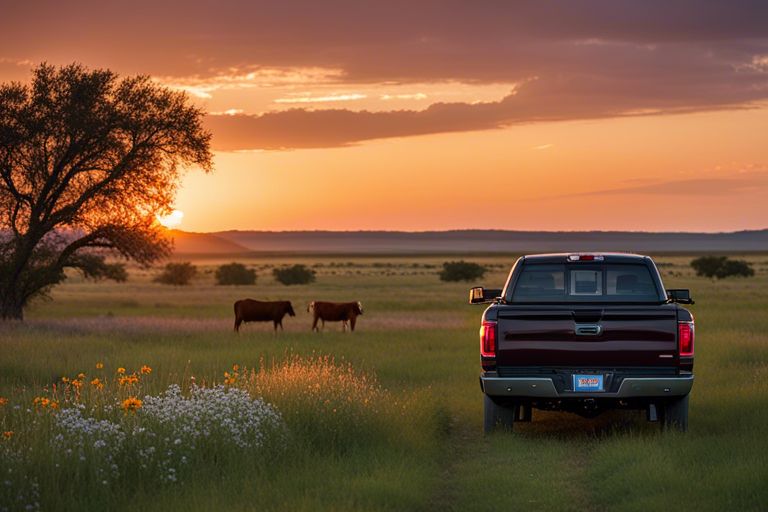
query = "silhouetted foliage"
{"x": 721, "y": 267}
{"x": 87, "y": 161}
{"x": 295, "y": 274}
{"x": 235, "y": 274}
{"x": 178, "y": 274}
{"x": 461, "y": 271}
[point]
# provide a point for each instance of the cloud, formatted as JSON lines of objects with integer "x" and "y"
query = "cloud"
{"x": 594, "y": 58}
{"x": 322, "y": 99}
{"x": 537, "y": 100}
{"x": 415, "y": 96}
{"x": 738, "y": 183}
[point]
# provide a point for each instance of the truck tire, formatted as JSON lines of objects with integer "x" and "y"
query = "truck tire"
{"x": 675, "y": 415}
{"x": 495, "y": 415}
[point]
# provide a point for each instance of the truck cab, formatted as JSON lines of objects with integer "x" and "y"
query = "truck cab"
{"x": 585, "y": 333}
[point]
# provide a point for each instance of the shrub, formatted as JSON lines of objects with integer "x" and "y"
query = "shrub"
{"x": 295, "y": 274}
{"x": 721, "y": 267}
{"x": 235, "y": 274}
{"x": 177, "y": 274}
{"x": 461, "y": 271}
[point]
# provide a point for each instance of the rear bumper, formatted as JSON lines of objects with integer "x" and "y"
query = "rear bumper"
{"x": 544, "y": 387}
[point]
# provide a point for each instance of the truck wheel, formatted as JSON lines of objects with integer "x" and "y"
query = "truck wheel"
{"x": 495, "y": 415}
{"x": 676, "y": 415}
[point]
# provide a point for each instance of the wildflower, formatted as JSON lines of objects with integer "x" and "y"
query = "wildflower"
{"x": 97, "y": 383}
{"x": 41, "y": 401}
{"x": 235, "y": 368}
{"x": 81, "y": 375}
{"x": 99, "y": 366}
{"x": 77, "y": 383}
{"x": 65, "y": 379}
{"x": 131, "y": 404}
{"x": 3, "y": 401}
{"x": 8, "y": 434}
{"x": 54, "y": 404}
{"x": 146, "y": 370}
{"x": 121, "y": 370}
{"x": 128, "y": 380}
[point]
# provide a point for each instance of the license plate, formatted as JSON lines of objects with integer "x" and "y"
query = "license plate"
{"x": 588, "y": 383}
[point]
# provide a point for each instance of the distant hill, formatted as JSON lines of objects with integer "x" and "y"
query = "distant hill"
{"x": 203, "y": 243}
{"x": 487, "y": 241}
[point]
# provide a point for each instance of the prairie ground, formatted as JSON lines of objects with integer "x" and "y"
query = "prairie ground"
{"x": 418, "y": 340}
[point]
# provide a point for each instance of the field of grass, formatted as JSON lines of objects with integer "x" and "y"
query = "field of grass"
{"x": 419, "y": 445}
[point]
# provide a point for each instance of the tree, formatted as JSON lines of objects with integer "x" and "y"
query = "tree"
{"x": 177, "y": 274}
{"x": 461, "y": 271}
{"x": 721, "y": 267}
{"x": 87, "y": 162}
{"x": 296, "y": 274}
{"x": 236, "y": 274}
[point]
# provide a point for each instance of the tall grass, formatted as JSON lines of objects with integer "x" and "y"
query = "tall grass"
{"x": 93, "y": 442}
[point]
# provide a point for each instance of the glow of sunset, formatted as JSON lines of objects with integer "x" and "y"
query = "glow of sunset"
{"x": 172, "y": 220}
{"x": 513, "y": 116}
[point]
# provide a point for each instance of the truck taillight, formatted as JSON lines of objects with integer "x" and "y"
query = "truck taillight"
{"x": 488, "y": 339}
{"x": 685, "y": 338}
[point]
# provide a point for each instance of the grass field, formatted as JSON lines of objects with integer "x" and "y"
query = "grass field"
{"x": 415, "y": 355}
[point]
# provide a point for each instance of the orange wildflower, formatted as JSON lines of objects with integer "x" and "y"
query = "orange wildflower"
{"x": 131, "y": 404}
{"x": 41, "y": 401}
{"x": 3, "y": 401}
{"x": 121, "y": 370}
{"x": 99, "y": 366}
{"x": 8, "y": 434}
{"x": 146, "y": 370}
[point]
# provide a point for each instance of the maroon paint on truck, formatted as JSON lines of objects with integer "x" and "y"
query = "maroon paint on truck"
{"x": 629, "y": 336}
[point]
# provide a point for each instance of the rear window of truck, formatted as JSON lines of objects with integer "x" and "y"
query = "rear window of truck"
{"x": 579, "y": 282}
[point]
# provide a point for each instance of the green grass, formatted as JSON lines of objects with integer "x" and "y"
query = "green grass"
{"x": 418, "y": 338}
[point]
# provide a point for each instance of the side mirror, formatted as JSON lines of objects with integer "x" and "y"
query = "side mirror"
{"x": 480, "y": 295}
{"x": 680, "y": 296}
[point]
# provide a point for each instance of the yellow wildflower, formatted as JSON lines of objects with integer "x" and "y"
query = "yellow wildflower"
{"x": 121, "y": 370}
{"x": 3, "y": 401}
{"x": 146, "y": 370}
{"x": 81, "y": 375}
{"x": 131, "y": 403}
{"x": 99, "y": 366}
{"x": 65, "y": 379}
{"x": 8, "y": 434}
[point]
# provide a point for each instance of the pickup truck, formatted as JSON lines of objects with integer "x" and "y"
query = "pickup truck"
{"x": 585, "y": 333}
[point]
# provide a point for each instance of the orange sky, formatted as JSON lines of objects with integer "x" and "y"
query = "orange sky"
{"x": 623, "y": 116}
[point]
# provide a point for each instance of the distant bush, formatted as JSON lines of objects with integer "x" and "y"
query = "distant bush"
{"x": 295, "y": 274}
{"x": 721, "y": 267}
{"x": 235, "y": 274}
{"x": 178, "y": 274}
{"x": 461, "y": 271}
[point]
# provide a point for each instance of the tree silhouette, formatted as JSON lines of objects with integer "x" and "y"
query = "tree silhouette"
{"x": 87, "y": 161}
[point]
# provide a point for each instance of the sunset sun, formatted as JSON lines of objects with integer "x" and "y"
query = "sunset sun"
{"x": 172, "y": 220}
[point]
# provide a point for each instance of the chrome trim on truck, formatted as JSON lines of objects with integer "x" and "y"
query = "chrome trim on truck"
{"x": 631, "y": 387}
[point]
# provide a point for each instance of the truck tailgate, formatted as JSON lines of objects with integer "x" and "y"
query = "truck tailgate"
{"x": 582, "y": 336}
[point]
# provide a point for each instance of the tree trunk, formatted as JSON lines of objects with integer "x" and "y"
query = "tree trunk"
{"x": 11, "y": 308}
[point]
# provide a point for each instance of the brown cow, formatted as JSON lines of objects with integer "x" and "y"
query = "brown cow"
{"x": 335, "y": 312}
{"x": 249, "y": 310}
